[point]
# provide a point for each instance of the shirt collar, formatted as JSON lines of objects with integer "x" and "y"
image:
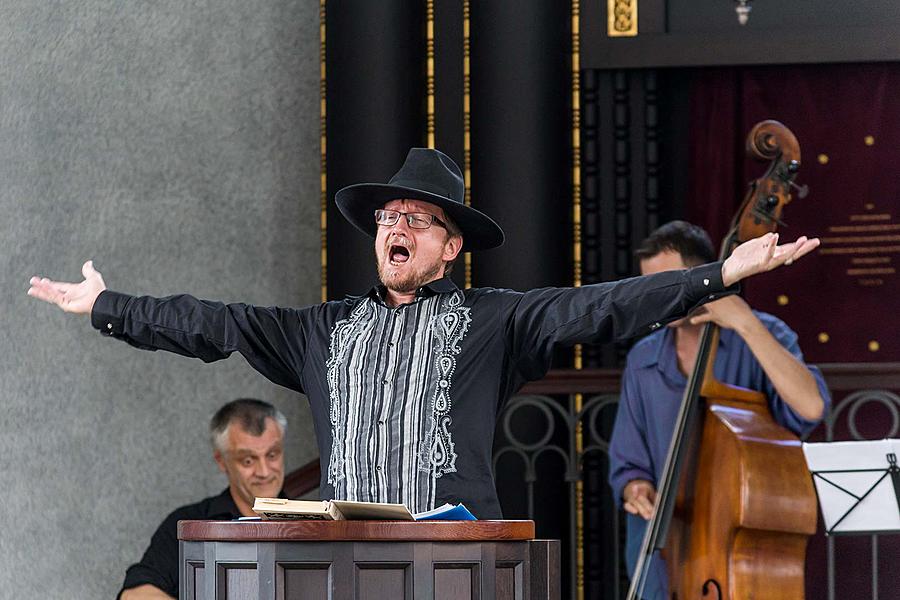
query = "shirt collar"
{"x": 443, "y": 285}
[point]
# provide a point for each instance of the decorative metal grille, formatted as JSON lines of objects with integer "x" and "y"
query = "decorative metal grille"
{"x": 537, "y": 467}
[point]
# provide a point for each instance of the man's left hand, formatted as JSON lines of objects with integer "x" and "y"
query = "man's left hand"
{"x": 730, "y": 312}
{"x": 763, "y": 254}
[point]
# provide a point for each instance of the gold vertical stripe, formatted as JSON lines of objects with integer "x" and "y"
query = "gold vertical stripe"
{"x": 429, "y": 70}
{"x": 323, "y": 191}
{"x": 576, "y": 276}
{"x": 467, "y": 132}
{"x": 576, "y": 144}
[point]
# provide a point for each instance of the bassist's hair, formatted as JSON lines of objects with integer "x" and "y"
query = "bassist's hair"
{"x": 690, "y": 241}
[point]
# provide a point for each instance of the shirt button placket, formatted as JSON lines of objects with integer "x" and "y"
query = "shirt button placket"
{"x": 392, "y": 353}
{"x": 393, "y": 343}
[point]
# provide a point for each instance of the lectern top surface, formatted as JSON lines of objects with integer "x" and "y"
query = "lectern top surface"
{"x": 435, "y": 531}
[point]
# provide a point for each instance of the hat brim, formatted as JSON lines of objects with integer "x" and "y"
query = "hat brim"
{"x": 358, "y": 204}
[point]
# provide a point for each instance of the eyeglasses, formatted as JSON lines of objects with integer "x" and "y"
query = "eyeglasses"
{"x": 415, "y": 220}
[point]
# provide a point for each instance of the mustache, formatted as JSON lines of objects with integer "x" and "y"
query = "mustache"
{"x": 398, "y": 240}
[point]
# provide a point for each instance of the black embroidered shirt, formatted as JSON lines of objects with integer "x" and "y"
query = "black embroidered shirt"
{"x": 405, "y": 399}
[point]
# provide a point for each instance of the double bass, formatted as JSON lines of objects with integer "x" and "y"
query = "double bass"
{"x": 735, "y": 503}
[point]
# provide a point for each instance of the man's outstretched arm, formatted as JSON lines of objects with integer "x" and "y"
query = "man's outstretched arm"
{"x": 272, "y": 339}
{"x": 540, "y": 320}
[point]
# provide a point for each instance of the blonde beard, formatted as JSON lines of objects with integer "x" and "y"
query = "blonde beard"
{"x": 412, "y": 281}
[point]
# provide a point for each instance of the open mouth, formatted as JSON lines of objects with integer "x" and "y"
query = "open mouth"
{"x": 398, "y": 254}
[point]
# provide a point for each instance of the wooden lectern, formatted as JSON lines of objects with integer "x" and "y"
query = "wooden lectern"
{"x": 361, "y": 560}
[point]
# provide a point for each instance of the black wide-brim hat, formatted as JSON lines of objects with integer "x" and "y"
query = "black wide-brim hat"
{"x": 430, "y": 176}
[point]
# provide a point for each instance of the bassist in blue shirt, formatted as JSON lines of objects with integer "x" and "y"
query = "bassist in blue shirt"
{"x": 756, "y": 351}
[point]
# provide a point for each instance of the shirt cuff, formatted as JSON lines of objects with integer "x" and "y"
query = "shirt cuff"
{"x": 705, "y": 284}
{"x": 107, "y": 316}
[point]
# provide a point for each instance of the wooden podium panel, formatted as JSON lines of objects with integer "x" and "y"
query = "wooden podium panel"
{"x": 366, "y": 560}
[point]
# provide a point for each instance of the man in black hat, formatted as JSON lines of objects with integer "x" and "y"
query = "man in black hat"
{"x": 405, "y": 381}
{"x": 428, "y": 190}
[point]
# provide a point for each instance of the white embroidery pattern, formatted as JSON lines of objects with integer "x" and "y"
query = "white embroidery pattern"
{"x": 344, "y": 332}
{"x": 449, "y": 327}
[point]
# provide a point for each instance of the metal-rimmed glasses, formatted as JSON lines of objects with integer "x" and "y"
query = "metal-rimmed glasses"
{"x": 416, "y": 220}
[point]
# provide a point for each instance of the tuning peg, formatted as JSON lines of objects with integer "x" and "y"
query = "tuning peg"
{"x": 802, "y": 190}
{"x": 767, "y": 217}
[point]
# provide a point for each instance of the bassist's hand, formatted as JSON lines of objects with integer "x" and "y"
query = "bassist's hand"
{"x": 639, "y": 497}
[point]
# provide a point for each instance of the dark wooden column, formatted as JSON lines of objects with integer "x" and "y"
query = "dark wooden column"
{"x": 448, "y": 78}
{"x": 375, "y": 113}
{"x": 449, "y": 89}
{"x": 521, "y": 139}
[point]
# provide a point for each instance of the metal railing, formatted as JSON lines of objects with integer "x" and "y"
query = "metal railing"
{"x": 553, "y": 423}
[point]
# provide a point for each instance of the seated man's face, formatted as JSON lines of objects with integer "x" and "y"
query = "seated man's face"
{"x": 254, "y": 464}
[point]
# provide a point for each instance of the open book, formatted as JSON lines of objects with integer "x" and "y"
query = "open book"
{"x": 337, "y": 510}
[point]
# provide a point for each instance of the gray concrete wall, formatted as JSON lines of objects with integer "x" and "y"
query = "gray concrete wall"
{"x": 175, "y": 143}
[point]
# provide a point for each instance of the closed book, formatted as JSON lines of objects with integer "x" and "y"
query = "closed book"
{"x": 282, "y": 510}
{"x": 447, "y": 512}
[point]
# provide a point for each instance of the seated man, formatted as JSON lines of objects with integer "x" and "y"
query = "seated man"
{"x": 247, "y": 439}
{"x": 756, "y": 351}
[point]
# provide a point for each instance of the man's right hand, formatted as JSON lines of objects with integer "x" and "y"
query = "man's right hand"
{"x": 75, "y": 298}
{"x": 639, "y": 497}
